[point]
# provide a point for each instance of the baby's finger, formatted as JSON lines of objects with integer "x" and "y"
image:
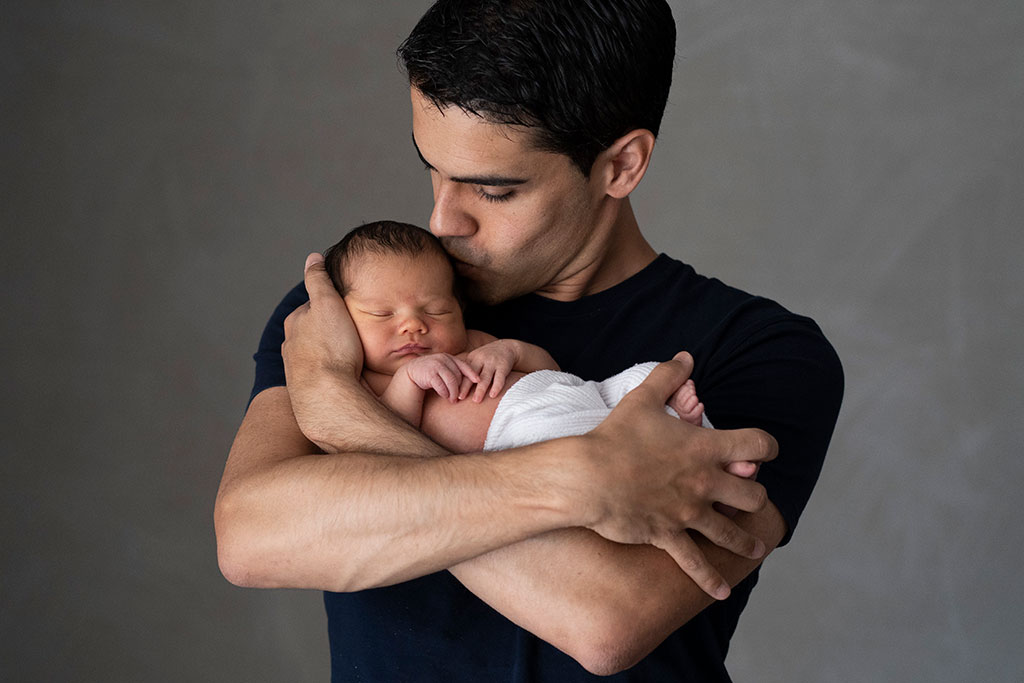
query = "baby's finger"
{"x": 452, "y": 377}
{"x": 466, "y": 369}
{"x": 438, "y": 385}
{"x": 481, "y": 387}
{"x": 500, "y": 375}
{"x": 464, "y": 388}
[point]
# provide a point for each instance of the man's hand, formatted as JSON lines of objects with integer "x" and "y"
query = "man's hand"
{"x": 656, "y": 477}
{"x": 321, "y": 347}
{"x": 441, "y": 372}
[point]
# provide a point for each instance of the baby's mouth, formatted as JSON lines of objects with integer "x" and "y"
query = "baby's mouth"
{"x": 412, "y": 348}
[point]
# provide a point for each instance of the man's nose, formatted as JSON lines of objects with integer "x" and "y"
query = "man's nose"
{"x": 449, "y": 218}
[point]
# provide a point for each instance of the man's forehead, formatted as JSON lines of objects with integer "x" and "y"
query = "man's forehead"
{"x": 452, "y": 136}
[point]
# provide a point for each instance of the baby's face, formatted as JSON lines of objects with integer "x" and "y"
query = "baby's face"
{"x": 403, "y": 307}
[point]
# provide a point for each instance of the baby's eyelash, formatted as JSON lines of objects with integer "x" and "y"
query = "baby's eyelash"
{"x": 495, "y": 197}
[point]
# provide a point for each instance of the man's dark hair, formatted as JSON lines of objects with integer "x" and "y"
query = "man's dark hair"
{"x": 580, "y": 73}
{"x": 380, "y": 238}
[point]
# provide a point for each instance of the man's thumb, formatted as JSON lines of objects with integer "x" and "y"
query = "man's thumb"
{"x": 313, "y": 258}
{"x": 318, "y": 284}
{"x": 666, "y": 378}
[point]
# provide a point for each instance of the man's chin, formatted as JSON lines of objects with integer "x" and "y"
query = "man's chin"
{"x": 488, "y": 292}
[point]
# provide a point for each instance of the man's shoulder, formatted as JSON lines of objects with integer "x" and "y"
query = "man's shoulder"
{"x": 707, "y": 301}
{"x": 269, "y": 370}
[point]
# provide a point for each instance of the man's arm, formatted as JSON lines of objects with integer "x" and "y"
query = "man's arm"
{"x": 606, "y": 605}
{"x": 362, "y": 520}
{"x": 289, "y": 516}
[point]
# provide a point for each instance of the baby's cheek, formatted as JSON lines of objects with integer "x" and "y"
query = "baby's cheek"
{"x": 383, "y": 364}
{"x": 454, "y": 341}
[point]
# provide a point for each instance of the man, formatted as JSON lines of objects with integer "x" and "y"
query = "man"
{"x": 596, "y": 554}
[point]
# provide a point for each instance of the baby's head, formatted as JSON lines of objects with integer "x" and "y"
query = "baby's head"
{"x": 399, "y": 286}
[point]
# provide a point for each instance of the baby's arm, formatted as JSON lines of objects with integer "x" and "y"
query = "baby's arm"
{"x": 438, "y": 371}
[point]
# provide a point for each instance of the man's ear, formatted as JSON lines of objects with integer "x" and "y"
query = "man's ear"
{"x": 622, "y": 166}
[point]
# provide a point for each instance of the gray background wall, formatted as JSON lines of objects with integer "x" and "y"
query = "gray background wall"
{"x": 165, "y": 167}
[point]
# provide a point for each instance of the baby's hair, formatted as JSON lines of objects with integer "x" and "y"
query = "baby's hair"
{"x": 381, "y": 238}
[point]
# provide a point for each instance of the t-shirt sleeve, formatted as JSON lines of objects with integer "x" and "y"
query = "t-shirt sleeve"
{"x": 785, "y": 378}
{"x": 269, "y": 364}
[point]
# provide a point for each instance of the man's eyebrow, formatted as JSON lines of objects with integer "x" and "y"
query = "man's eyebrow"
{"x": 487, "y": 180}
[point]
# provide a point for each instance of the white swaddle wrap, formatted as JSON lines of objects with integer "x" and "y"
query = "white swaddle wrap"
{"x": 548, "y": 404}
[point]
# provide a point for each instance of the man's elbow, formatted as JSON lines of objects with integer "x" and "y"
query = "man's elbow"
{"x": 252, "y": 555}
{"x": 236, "y": 563}
{"x": 609, "y": 645}
{"x": 246, "y": 549}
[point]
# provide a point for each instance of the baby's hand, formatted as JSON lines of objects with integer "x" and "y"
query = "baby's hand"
{"x": 441, "y": 372}
{"x": 492, "y": 362}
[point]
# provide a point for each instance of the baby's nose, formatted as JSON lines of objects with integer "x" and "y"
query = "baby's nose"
{"x": 413, "y": 323}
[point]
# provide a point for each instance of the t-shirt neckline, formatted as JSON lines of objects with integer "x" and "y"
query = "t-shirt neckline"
{"x": 648, "y": 275}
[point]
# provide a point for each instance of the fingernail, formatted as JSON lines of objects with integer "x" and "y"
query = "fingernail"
{"x": 759, "y": 550}
{"x": 722, "y": 592}
{"x": 314, "y": 258}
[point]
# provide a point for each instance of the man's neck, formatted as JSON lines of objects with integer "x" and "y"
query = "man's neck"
{"x": 616, "y": 252}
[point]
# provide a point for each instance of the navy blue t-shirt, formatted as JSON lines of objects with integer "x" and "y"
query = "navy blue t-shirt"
{"x": 755, "y": 365}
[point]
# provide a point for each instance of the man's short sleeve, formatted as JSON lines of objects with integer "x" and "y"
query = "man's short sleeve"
{"x": 785, "y": 378}
{"x": 269, "y": 364}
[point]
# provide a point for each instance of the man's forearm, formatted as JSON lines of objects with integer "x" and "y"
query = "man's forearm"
{"x": 605, "y": 604}
{"x": 348, "y": 419}
{"x": 287, "y": 518}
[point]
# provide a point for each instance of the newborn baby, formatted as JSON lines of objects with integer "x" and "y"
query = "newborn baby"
{"x": 400, "y": 289}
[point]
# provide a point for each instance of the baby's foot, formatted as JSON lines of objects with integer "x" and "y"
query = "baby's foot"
{"x": 685, "y": 402}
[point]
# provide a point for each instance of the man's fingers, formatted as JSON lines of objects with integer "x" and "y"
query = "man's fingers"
{"x": 693, "y": 563}
{"x": 665, "y": 379}
{"x": 742, "y": 494}
{"x": 748, "y": 445}
{"x": 686, "y": 360}
{"x": 289, "y": 321}
{"x": 724, "y": 533}
{"x": 318, "y": 282}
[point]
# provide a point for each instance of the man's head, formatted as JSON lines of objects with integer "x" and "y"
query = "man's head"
{"x": 536, "y": 119}
{"x": 399, "y": 287}
{"x": 578, "y": 74}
